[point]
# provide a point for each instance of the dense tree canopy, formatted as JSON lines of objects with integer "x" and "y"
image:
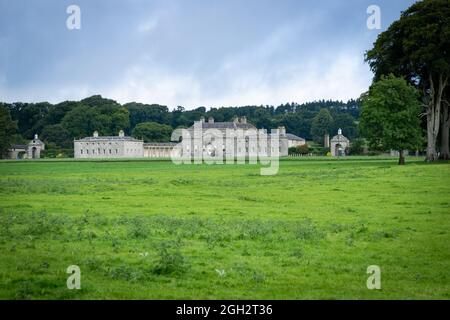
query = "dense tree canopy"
{"x": 322, "y": 124}
{"x": 390, "y": 116}
{"x": 152, "y": 132}
{"x": 416, "y": 47}
{"x": 56, "y": 136}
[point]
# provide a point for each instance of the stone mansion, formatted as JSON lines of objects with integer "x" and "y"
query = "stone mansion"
{"x": 122, "y": 146}
{"x": 119, "y": 146}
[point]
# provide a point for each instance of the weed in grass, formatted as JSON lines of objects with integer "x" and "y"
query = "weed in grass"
{"x": 307, "y": 231}
{"x": 93, "y": 264}
{"x": 258, "y": 277}
{"x": 170, "y": 259}
{"x": 181, "y": 182}
{"x": 138, "y": 230}
{"x": 24, "y": 290}
{"x": 126, "y": 273}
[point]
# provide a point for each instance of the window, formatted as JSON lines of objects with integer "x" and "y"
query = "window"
{"x": 81, "y": 151}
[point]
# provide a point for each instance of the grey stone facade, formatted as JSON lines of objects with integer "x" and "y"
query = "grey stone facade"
{"x": 199, "y": 144}
{"x": 339, "y": 145}
{"x": 294, "y": 141}
{"x": 128, "y": 147}
{"x": 32, "y": 150}
{"x": 119, "y": 146}
{"x": 158, "y": 149}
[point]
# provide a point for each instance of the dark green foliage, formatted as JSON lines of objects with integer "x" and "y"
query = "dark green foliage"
{"x": 7, "y": 129}
{"x": 152, "y": 131}
{"x": 147, "y": 113}
{"x": 390, "y": 115}
{"x": 357, "y": 146}
{"x": 322, "y": 124}
{"x": 415, "y": 47}
{"x": 83, "y": 120}
{"x": 345, "y": 122}
{"x": 30, "y": 117}
{"x": 292, "y": 150}
{"x": 57, "y": 153}
{"x": 303, "y": 149}
{"x": 170, "y": 259}
{"x": 56, "y": 135}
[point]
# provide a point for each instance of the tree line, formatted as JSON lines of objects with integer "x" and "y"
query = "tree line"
{"x": 58, "y": 124}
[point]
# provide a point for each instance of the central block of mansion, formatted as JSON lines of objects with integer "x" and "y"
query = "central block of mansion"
{"x": 108, "y": 147}
{"x": 122, "y": 146}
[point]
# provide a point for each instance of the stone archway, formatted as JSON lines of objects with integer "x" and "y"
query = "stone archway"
{"x": 21, "y": 155}
{"x": 337, "y": 149}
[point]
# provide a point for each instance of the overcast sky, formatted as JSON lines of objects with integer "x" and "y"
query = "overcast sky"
{"x": 188, "y": 52}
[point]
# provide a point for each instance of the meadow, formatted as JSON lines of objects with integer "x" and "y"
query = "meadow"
{"x": 155, "y": 230}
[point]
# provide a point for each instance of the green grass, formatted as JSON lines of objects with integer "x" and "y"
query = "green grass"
{"x": 155, "y": 230}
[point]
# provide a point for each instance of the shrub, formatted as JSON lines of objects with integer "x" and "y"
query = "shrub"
{"x": 303, "y": 149}
{"x": 292, "y": 150}
{"x": 170, "y": 260}
{"x": 357, "y": 147}
{"x": 126, "y": 273}
{"x": 138, "y": 230}
{"x": 57, "y": 153}
{"x": 307, "y": 231}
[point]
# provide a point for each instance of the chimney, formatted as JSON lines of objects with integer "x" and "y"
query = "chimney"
{"x": 326, "y": 140}
{"x": 121, "y": 134}
{"x": 282, "y": 130}
{"x": 243, "y": 119}
{"x": 210, "y": 120}
{"x": 235, "y": 120}
{"x": 95, "y": 134}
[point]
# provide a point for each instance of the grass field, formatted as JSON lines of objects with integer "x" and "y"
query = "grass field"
{"x": 154, "y": 230}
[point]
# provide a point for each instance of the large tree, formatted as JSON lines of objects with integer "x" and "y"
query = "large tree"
{"x": 147, "y": 113}
{"x": 55, "y": 135}
{"x": 322, "y": 124}
{"x": 7, "y": 129}
{"x": 347, "y": 123}
{"x": 83, "y": 120}
{"x": 120, "y": 120}
{"x": 152, "y": 132}
{"x": 417, "y": 47}
{"x": 390, "y": 116}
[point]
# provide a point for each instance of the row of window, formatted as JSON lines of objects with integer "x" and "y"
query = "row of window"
{"x": 239, "y": 149}
{"x": 99, "y": 151}
{"x": 106, "y": 151}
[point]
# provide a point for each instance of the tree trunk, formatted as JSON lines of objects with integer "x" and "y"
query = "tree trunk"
{"x": 431, "y": 140}
{"x": 433, "y": 115}
{"x": 401, "y": 159}
{"x": 445, "y": 154}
